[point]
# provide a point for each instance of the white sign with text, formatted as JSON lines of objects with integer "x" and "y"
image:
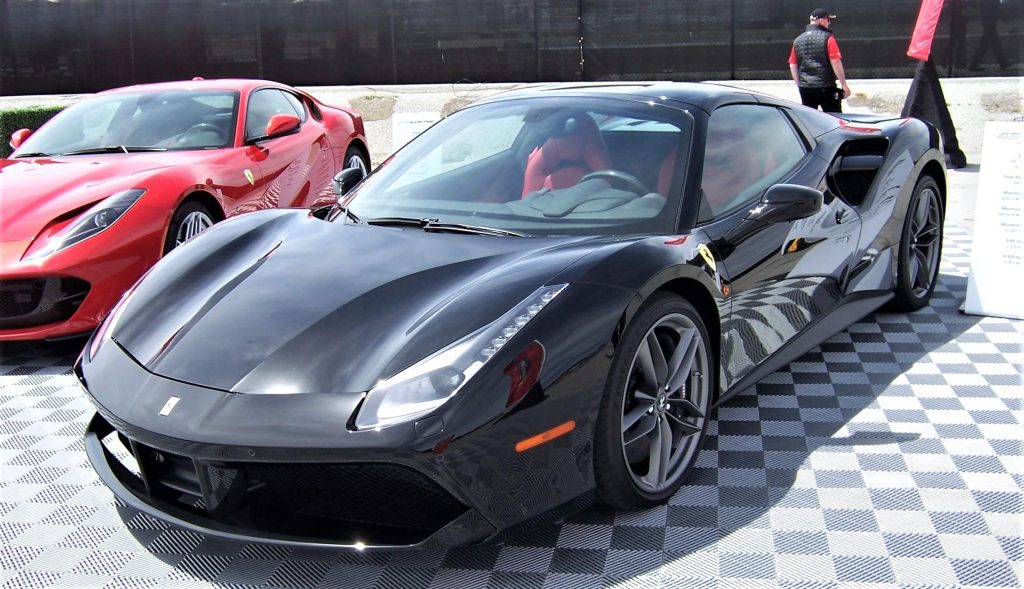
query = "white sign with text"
{"x": 997, "y": 254}
{"x": 405, "y": 126}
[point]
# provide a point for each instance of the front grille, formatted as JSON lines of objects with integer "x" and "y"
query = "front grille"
{"x": 378, "y": 504}
{"x": 38, "y": 301}
{"x": 372, "y": 494}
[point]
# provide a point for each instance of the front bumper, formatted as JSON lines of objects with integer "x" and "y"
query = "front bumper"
{"x": 285, "y": 469}
{"x": 69, "y": 292}
{"x": 330, "y": 505}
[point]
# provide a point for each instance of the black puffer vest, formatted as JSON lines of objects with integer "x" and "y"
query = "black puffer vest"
{"x": 812, "y": 58}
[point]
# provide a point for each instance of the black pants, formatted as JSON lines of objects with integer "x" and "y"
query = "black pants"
{"x": 829, "y": 99}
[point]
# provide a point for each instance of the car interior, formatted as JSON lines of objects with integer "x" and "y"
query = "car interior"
{"x": 566, "y": 163}
{"x": 180, "y": 123}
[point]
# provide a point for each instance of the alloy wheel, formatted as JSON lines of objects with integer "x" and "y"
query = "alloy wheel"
{"x": 666, "y": 403}
{"x": 356, "y": 161}
{"x": 192, "y": 225}
{"x": 923, "y": 250}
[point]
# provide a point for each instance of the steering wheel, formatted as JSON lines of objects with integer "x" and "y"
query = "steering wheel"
{"x": 629, "y": 180}
{"x": 222, "y": 136}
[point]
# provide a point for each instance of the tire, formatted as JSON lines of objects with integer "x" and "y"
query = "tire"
{"x": 920, "y": 247}
{"x": 658, "y": 422}
{"x": 354, "y": 158}
{"x": 191, "y": 219}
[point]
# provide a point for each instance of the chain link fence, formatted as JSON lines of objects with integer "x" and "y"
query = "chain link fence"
{"x": 73, "y": 46}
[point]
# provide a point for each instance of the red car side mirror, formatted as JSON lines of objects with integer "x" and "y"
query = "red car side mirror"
{"x": 280, "y": 124}
{"x": 19, "y": 137}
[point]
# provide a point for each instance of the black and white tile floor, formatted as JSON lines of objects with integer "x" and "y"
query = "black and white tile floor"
{"x": 891, "y": 456}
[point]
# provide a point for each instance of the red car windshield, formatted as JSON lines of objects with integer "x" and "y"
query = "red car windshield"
{"x": 139, "y": 121}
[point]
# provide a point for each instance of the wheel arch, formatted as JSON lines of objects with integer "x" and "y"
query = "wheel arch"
{"x": 198, "y": 196}
{"x": 363, "y": 149}
{"x": 702, "y": 300}
{"x": 694, "y": 289}
{"x": 935, "y": 170}
{"x": 207, "y": 200}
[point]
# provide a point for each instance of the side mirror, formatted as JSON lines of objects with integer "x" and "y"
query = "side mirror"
{"x": 781, "y": 203}
{"x": 346, "y": 179}
{"x": 19, "y": 137}
{"x": 280, "y": 124}
{"x": 786, "y": 202}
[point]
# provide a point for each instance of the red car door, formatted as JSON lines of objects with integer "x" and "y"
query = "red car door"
{"x": 293, "y": 168}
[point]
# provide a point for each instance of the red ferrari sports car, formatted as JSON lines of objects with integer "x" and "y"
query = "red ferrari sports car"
{"x": 111, "y": 184}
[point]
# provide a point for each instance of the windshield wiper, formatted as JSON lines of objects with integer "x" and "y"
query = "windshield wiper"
{"x": 433, "y": 225}
{"x": 436, "y": 225}
{"x": 34, "y": 154}
{"x": 113, "y": 149}
{"x": 348, "y": 213}
{"x": 411, "y": 221}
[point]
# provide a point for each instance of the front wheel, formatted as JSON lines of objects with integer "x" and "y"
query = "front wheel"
{"x": 191, "y": 219}
{"x": 656, "y": 406}
{"x": 354, "y": 158}
{"x": 920, "y": 248}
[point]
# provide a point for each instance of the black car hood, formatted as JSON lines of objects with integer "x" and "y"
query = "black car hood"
{"x": 279, "y": 302}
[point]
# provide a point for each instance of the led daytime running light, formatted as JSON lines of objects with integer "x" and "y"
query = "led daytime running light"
{"x": 512, "y": 328}
{"x": 431, "y": 382}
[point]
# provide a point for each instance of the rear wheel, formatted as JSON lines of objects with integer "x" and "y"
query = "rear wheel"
{"x": 656, "y": 406}
{"x": 191, "y": 219}
{"x": 920, "y": 248}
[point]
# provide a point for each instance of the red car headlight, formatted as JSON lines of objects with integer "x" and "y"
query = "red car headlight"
{"x": 102, "y": 215}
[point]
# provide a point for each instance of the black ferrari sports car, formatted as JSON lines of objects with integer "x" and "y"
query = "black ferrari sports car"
{"x": 536, "y": 303}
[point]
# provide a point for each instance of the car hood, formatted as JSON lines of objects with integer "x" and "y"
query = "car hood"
{"x": 279, "y": 302}
{"x": 36, "y": 191}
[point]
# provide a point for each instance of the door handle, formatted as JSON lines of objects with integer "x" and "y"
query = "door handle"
{"x": 842, "y": 215}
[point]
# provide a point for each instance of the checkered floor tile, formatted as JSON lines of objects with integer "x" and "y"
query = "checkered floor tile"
{"x": 890, "y": 456}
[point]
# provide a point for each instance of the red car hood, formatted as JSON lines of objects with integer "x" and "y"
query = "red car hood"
{"x": 35, "y": 191}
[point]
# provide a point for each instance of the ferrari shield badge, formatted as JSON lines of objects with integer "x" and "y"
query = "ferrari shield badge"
{"x": 249, "y": 177}
{"x": 705, "y": 253}
{"x": 169, "y": 406}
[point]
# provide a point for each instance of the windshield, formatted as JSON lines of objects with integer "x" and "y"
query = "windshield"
{"x": 542, "y": 166}
{"x": 176, "y": 119}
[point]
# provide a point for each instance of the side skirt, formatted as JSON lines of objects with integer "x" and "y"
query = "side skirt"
{"x": 820, "y": 330}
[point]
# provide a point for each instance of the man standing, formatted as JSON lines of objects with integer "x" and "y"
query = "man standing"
{"x": 816, "y": 64}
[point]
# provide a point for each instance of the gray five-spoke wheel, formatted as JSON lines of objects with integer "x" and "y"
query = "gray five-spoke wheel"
{"x": 665, "y": 403}
{"x": 924, "y": 247}
{"x": 192, "y": 225}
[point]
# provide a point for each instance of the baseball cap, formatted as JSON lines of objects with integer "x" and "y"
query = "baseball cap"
{"x": 822, "y": 13}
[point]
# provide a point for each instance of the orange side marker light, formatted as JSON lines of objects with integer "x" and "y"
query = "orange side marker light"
{"x": 544, "y": 437}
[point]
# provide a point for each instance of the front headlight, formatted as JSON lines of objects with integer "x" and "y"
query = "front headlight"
{"x": 426, "y": 385}
{"x": 96, "y": 219}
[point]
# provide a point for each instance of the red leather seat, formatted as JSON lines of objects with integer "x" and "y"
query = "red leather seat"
{"x": 562, "y": 160}
{"x": 668, "y": 166}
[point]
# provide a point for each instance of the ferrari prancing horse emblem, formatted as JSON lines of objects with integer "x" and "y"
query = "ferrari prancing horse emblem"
{"x": 169, "y": 406}
{"x": 705, "y": 253}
